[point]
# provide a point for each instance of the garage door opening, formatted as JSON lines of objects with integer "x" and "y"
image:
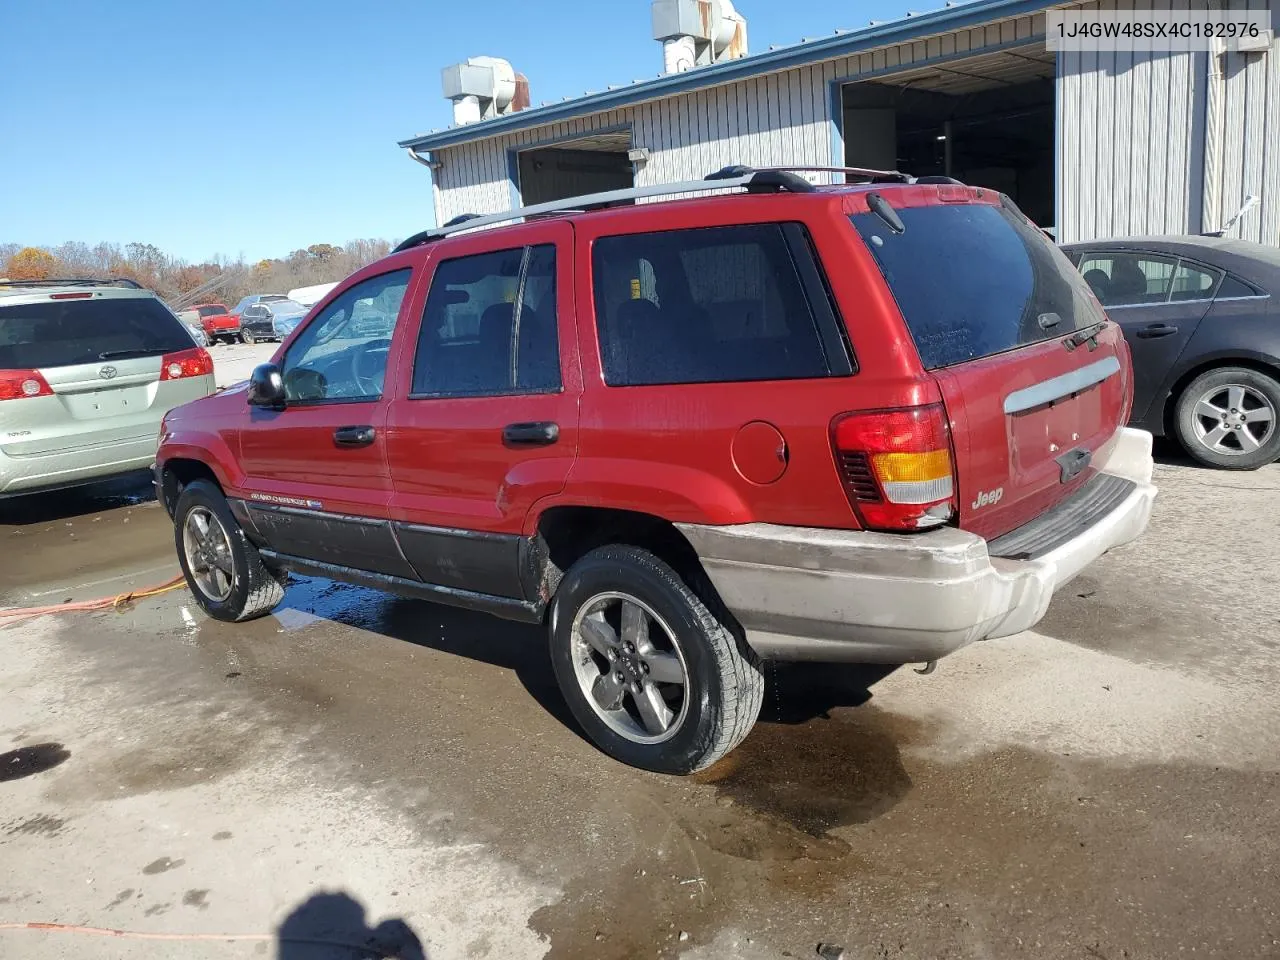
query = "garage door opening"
{"x": 986, "y": 120}
{"x": 570, "y": 169}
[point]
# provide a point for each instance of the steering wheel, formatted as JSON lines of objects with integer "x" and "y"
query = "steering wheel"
{"x": 369, "y": 366}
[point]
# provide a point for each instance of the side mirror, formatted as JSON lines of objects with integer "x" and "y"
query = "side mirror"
{"x": 266, "y": 387}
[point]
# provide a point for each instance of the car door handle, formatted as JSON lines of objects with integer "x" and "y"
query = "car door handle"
{"x": 1156, "y": 330}
{"x": 354, "y": 436}
{"x": 541, "y": 434}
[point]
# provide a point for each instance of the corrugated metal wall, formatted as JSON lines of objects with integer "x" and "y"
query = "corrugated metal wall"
{"x": 1249, "y": 158}
{"x": 778, "y": 118}
{"x": 1132, "y": 132}
{"x": 1130, "y": 141}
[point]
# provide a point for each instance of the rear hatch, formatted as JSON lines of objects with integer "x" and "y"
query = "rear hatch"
{"x": 1034, "y": 378}
{"x": 89, "y": 369}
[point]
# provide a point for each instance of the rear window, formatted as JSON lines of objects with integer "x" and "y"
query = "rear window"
{"x": 211, "y": 311}
{"x": 714, "y": 305}
{"x": 974, "y": 280}
{"x": 59, "y": 333}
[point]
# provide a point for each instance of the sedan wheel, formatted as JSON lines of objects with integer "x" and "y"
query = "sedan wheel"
{"x": 1228, "y": 418}
{"x": 1234, "y": 419}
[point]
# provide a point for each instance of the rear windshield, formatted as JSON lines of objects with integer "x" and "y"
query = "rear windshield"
{"x": 211, "y": 311}
{"x": 59, "y": 333}
{"x": 973, "y": 280}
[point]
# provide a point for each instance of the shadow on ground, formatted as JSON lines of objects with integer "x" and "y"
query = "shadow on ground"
{"x": 333, "y": 926}
{"x": 795, "y": 692}
{"x": 73, "y": 502}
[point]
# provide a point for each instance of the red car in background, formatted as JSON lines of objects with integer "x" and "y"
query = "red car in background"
{"x": 218, "y": 322}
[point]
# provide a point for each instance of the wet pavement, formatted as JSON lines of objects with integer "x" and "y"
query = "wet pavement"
{"x": 1105, "y": 787}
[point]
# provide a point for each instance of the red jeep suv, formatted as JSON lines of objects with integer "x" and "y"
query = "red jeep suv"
{"x": 869, "y": 422}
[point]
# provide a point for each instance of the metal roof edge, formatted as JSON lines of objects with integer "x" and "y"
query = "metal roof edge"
{"x": 801, "y": 54}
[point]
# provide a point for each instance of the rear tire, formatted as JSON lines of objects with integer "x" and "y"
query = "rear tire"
{"x": 1230, "y": 418}
{"x": 622, "y": 619}
{"x": 224, "y": 570}
{"x": 246, "y": 336}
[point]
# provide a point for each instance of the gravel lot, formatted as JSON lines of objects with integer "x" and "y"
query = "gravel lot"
{"x": 1104, "y": 787}
{"x": 233, "y": 362}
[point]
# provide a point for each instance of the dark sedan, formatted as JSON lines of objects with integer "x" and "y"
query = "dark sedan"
{"x": 270, "y": 320}
{"x": 1204, "y": 331}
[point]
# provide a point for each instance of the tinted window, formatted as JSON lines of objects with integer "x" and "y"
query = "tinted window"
{"x": 65, "y": 332}
{"x": 973, "y": 280}
{"x": 1192, "y": 282}
{"x": 210, "y": 311}
{"x": 1231, "y": 287}
{"x": 335, "y": 358}
{"x": 489, "y": 326}
{"x": 1127, "y": 279}
{"x": 703, "y": 306}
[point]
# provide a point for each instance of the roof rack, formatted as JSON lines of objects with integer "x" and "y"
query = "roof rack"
{"x": 730, "y": 178}
{"x": 74, "y": 282}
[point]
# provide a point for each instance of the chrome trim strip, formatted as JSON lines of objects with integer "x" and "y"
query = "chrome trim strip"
{"x": 1056, "y": 388}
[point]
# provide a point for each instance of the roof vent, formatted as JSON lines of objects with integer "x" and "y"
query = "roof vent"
{"x": 482, "y": 88}
{"x": 698, "y": 33}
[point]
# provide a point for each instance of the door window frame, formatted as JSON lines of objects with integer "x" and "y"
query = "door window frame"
{"x": 315, "y": 315}
{"x": 525, "y": 250}
{"x": 1085, "y": 254}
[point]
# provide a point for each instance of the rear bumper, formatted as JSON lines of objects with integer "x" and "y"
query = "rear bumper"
{"x": 837, "y": 595}
{"x": 24, "y": 475}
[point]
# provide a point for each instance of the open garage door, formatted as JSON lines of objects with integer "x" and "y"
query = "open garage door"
{"x": 591, "y": 164}
{"x": 987, "y": 120}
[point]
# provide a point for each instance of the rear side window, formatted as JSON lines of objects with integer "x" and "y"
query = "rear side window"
{"x": 974, "y": 280}
{"x": 60, "y": 333}
{"x": 1192, "y": 282}
{"x": 714, "y": 305}
{"x": 1234, "y": 288}
{"x": 489, "y": 327}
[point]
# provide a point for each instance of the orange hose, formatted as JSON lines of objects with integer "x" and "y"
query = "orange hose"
{"x": 17, "y": 614}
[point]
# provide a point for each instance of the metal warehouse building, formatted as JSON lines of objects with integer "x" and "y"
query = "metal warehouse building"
{"x": 1093, "y": 144}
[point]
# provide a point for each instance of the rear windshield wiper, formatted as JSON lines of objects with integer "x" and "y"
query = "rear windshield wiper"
{"x": 1085, "y": 335}
{"x": 128, "y": 354}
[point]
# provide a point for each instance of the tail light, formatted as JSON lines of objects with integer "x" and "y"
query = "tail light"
{"x": 21, "y": 384}
{"x": 1126, "y": 381}
{"x": 896, "y": 467}
{"x": 186, "y": 363}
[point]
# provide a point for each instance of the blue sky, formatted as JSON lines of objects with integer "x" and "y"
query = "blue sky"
{"x": 253, "y": 128}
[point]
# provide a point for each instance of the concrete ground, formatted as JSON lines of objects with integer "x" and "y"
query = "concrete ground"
{"x": 233, "y": 362}
{"x": 364, "y": 768}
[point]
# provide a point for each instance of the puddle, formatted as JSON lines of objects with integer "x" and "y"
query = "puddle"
{"x": 786, "y": 787}
{"x": 28, "y": 761}
{"x": 768, "y": 824}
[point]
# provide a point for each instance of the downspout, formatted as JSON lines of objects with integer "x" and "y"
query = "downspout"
{"x": 1214, "y": 119}
{"x": 434, "y": 166}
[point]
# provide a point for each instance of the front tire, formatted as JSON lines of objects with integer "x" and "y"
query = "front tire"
{"x": 224, "y": 570}
{"x": 246, "y": 336}
{"x": 656, "y": 680}
{"x": 1227, "y": 418}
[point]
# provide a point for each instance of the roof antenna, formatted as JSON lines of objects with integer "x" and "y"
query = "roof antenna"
{"x": 1250, "y": 202}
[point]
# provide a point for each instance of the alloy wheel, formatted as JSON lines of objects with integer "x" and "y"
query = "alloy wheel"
{"x": 208, "y": 553}
{"x": 1233, "y": 419}
{"x": 630, "y": 667}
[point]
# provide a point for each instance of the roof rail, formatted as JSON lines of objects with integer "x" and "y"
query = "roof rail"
{"x": 74, "y": 282}
{"x": 755, "y": 181}
{"x": 873, "y": 176}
